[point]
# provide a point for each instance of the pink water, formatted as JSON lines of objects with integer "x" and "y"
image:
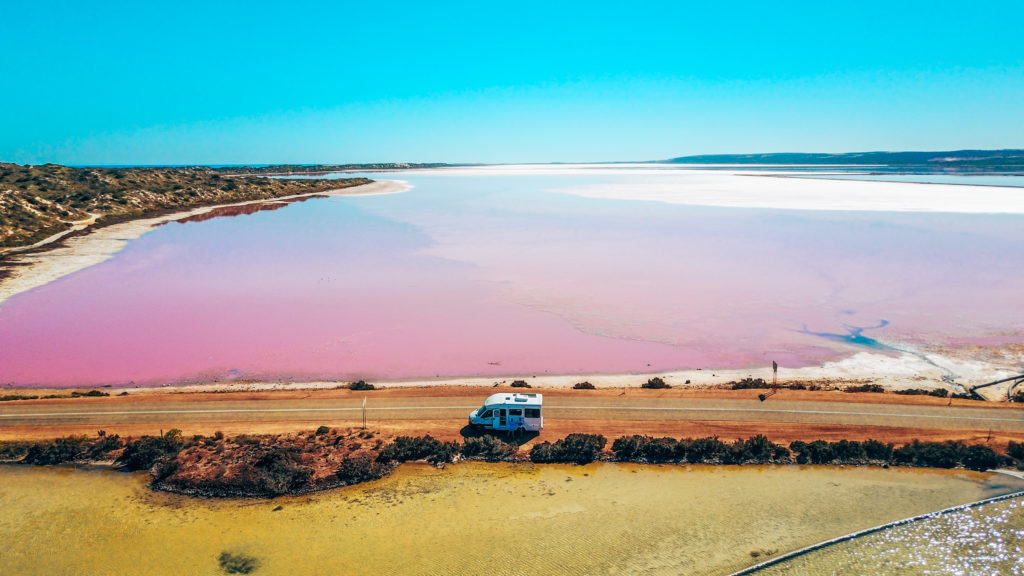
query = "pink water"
{"x": 493, "y": 275}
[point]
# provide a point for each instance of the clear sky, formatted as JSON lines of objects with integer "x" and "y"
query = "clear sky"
{"x": 268, "y": 82}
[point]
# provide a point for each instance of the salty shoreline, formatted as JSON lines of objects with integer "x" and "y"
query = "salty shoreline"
{"x": 34, "y": 269}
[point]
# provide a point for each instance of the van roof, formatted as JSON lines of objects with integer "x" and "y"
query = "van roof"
{"x": 515, "y": 398}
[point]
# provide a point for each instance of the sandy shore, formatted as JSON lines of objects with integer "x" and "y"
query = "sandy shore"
{"x": 892, "y": 372}
{"x": 32, "y": 270}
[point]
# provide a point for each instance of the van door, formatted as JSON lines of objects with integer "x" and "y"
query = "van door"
{"x": 503, "y": 418}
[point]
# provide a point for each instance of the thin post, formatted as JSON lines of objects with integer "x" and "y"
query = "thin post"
{"x": 364, "y": 412}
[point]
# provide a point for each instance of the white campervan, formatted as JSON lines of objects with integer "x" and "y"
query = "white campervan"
{"x": 509, "y": 412}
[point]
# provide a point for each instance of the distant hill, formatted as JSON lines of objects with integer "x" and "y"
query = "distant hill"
{"x": 988, "y": 159}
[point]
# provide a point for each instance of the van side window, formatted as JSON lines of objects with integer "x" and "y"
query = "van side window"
{"x": 533, "y": 412}
{"x": 515, "y": 412}
{"x": 486, "y": 414}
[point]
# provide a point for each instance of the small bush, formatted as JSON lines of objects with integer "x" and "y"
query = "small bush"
{"x": 655, "y": 383}
{"x": 1017, "y": 396}
{"x": 583, "y": 386}
{"x": 489, "y": 448}
{"x": 281, "y": 471}
{"x": 360, "y": 386}
{"x": 874, "y": 388}
{"x": 358, "y": 468}
{"x": 89, "y": 394}
{"x": 980, "y": 458}
{"x": 58, "y": 451}
{"x": 937, "y": 392}
{"x": 1015, "y": 450}
{"x": 749, "y": 384}
{"x": 407, "y": 449}
{"x": 143, "y": 453}
{"x": 703, "y": 450}
{"x": 521, "y": 384}
{"x": 574, "y": 448}
{"x": 237, "y": 563}
{"x": 877, "y": 451}
{"x": 10, "y": 397}
{"x": 320, "y": 431}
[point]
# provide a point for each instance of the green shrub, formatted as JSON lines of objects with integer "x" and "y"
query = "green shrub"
{"x": 143, "y": 453}
{"x": 749, "y": 384}
{"x": 878, "y": 451}
{"x": 489, "y": 448}
{"x": 320, "y": 431}
{"x": 655, "y": 383}
{"x": 574, "y": 448}
{"x": 58, "y": 451}
{"x": 874, "y": 388}
{"x": 1015, "y": 450}
{"x": 361, "y": 385}
{"x": 703, "y": 450}
{"x": 281, "y": 471}
{"x": 980, "y": 458}
{"x": 356, "y": 468}
{"x": 583, "y": 386}
{"x": 407, "y": 449}
{"x": 520, "y": 384}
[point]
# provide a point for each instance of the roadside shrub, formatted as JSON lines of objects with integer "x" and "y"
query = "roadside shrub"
{"x": 980, "y": 458}
{"x": 937, "y": 392}
{"x": 14, "y": 450}
{"x": 407, "y": 449}
{"x": 358, "y": 468}
{"x": 237, "y": 563}
{"x": 281, "y": 471}
{"x": 104, "y": 445}
{"x": 489, "y": 448}
{"x": 646, "y": 449}
{"x": 817, "y": 452}
{"x": 58, "y": 451}
{"x": 655, "y": 383}
{"x": 1015, "y": 450}
{"x": 89, "y": 394}
{"x": 583, "y": 386}
{"x": 1017, "y": 396}
{"x": 10, "y": 397}
{"x": 321, "y": 430}
{"x": 878, "y": 451}
{"x": 929, "y": 454}
{"x": 848, "y": 451}
{"x": 748, "y": 384}
{"x": 143, "y": 453}
{"x": 874, "y": 388}
{"x": 520, "y": 384}
{"x": 361, "y": 385}
{"x": 755, "y": 450}
{"x": 574, "y": 448}
{"x": 704, "y": 450}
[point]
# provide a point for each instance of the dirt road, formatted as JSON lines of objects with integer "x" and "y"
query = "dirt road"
{"x": 443, "y": 412}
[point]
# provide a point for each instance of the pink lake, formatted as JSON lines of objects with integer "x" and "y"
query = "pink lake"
{"x": 474, "y": 273}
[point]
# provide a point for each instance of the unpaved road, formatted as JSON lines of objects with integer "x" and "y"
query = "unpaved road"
{"x": 443, "y": 413}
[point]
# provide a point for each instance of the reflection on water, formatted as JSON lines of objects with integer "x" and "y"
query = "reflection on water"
{"x": 467, "y": 519}
{"x": 984, "y": 540}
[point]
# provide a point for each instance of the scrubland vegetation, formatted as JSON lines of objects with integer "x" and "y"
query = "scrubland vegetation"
{"x": 272, "y": 465}
{"x": 39, "y": 201}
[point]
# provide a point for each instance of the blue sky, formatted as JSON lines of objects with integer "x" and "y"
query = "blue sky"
{"x": 210, "y": 82}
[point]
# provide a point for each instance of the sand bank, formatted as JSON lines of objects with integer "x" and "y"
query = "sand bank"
{"x": 735, "y": 190}
{"x": 31, "y": 270}
{"x": 901, "y": 372}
